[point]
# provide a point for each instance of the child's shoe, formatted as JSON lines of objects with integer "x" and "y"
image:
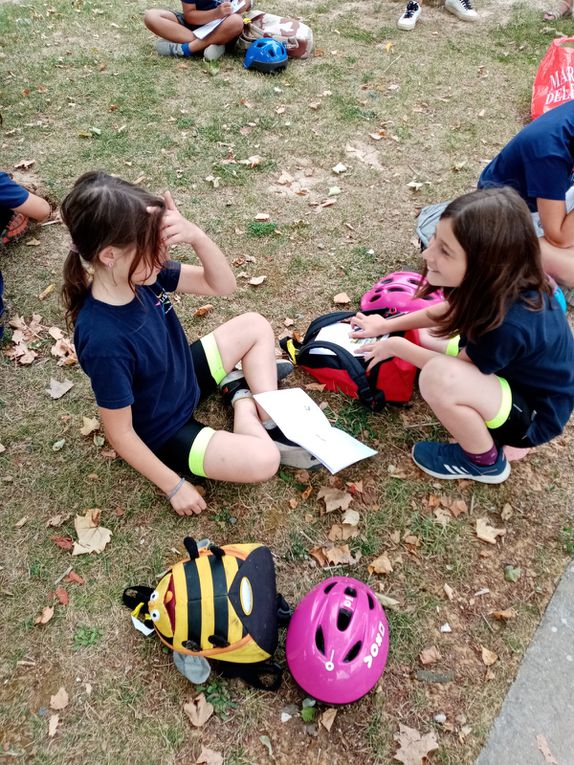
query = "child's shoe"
{"x": 16, "y": 228}
{"x": 213, "y": 52}
{"x": 448, "y": 461}
{"x": 292, "y": 454}
{"x": 235, "y": 381}
{"x": 410, "y": 17}
{"x": 461, "y": 8}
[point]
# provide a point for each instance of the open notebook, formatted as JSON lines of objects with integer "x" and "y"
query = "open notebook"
{"x": 301, "y": 420}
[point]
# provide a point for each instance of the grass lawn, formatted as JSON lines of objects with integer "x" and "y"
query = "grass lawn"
{"x": 82, "y": 88}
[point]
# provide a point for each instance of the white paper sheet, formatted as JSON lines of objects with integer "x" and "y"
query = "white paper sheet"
{"x": 301, "y": 420}
{"x": 339, "y": 334}
{"x": 202, "y": 32}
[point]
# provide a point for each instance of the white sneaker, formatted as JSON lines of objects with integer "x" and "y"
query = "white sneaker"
{"x": 410, "y": 16}
{"x": 213, "y": 52}
{"x": 461, "y": 8}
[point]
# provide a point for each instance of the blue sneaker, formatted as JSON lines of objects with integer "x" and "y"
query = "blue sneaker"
{"x": 450, "y": 462}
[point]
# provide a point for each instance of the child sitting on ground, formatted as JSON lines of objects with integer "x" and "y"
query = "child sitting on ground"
{"x": 509, "y": 378}
{"x": 17, "y": 206}
{"x": 177, "y": 28}
{"x": 146, "y": 378}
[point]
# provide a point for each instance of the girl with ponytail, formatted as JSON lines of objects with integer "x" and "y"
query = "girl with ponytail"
{"x": 146, "y": 378}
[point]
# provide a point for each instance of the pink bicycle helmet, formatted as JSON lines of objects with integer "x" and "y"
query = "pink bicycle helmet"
{"x": 395, "y": 294}
{"x": 338, "y": 641}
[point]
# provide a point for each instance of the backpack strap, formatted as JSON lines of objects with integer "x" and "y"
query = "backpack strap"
{"x": 284, "y": 611}
{"x": 366, "y": 385}
{"x": 133, "y": 596}
{"x": 191, "y": 546}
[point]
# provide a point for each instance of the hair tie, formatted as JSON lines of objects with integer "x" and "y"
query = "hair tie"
{"x": 74, "y": 249}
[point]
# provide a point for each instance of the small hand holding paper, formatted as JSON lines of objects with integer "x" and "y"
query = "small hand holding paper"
{"x": 367, "y": 326}
{"x": 374, "y": 353}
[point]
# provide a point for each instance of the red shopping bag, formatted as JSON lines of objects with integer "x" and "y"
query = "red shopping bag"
{"x": 554, "y": 82}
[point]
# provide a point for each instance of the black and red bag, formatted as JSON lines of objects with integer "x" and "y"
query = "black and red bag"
{"x": 389, "y": 382}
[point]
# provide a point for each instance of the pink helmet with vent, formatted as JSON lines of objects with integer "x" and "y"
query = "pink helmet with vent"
{"x": 338, "y": 641}
{"x": 395, "y": 294}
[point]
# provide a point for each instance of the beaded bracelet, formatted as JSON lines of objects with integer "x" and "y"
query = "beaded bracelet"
{"x": 176, "y": 488}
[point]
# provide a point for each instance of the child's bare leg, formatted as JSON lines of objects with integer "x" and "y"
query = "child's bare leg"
{"x": 229, "y": 29}
{"x": 463, "y": 399}
{"x": 249, "y": 338}
{"x": 558, "y": 262}
{"x": 247, "y": 455}
{"x": 165, "y": 24}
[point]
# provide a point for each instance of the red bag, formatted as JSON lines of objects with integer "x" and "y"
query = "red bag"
{"x": 390, "y": 382}
{"x": 554, "y": 81}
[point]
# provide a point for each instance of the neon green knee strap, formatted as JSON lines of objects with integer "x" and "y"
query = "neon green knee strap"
{"x": 505, "y": 406}
{"x": 452, "y": 347}
{"x": 213, "y": 357}
{"x": 197, "y": 451}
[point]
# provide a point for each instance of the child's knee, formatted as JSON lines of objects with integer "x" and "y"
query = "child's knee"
{"x": 258, "y": 325}
{"x": 265, "y": 463}
{"x": 233, "y": 27}
{"x": 438, "y": 379}
{"x": 151, "y": 17}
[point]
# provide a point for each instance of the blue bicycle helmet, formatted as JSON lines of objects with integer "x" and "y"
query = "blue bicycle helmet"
{"x": 266, "y": 55}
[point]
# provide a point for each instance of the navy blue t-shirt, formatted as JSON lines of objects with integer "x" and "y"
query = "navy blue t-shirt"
{"x": 138, "y": 355}
{"x": 203, "y": 5}
{"x": 538, "y": 161}
{"x": 12, "y": 195}
{"x": 534, "y": 351}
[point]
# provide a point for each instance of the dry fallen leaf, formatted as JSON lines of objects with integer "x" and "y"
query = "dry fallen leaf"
{"x": 262, "y": 217}
{"x": 59, "y": 700}
{"x": 488, "y": 657}
{"x": 73, "y": 578}
{"x": 90, "y": 425}
{"x": 414, "y": 748}
{"x": 199, "y": 710}
{"x": 57, "y": 388}
{"x": 65, "y": 543}
{"x": 351, "y": 518}
{"x": 21, "y": 522}
{"x": 203, "y": 310}
{"x": 381, "y": 565}
{"x": 328, "y": 718}
{"x": 48, "y": 291}
{"x": 341, "y": 298}
{"x": 340, "y": 532}
{"x": 91, "y": 536}
{"x": 209, "y": 757}
{"x": 486, "y": 532}
{"x": 45, "y": 616}
{"x": 53, "y": 725}
{"x": 56, "y": 520}
{"x": 334, "y": 499}
{"x": 429, "y": 656}
{"x": 62, "y": 596}
{"x": 545, "y": 750}
{"x": 504, "y": 616}
{"x": 257, "y": 280}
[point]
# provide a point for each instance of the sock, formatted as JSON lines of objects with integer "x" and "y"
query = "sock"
{"x": 241, "y": 393}
{"x": 185, "y": 49}
{"x": 485, "y": 458}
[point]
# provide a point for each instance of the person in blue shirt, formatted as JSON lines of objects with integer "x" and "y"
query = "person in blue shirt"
{"x": 17, "y": 206}
{"x": 539, "y": 162}
{"x": 176, "y": 28}
{"x": 508, "y": 378}
{"x": 146, "y": 378}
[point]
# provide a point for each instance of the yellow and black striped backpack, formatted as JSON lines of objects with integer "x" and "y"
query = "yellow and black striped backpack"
{"x": 220, "y": 603}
